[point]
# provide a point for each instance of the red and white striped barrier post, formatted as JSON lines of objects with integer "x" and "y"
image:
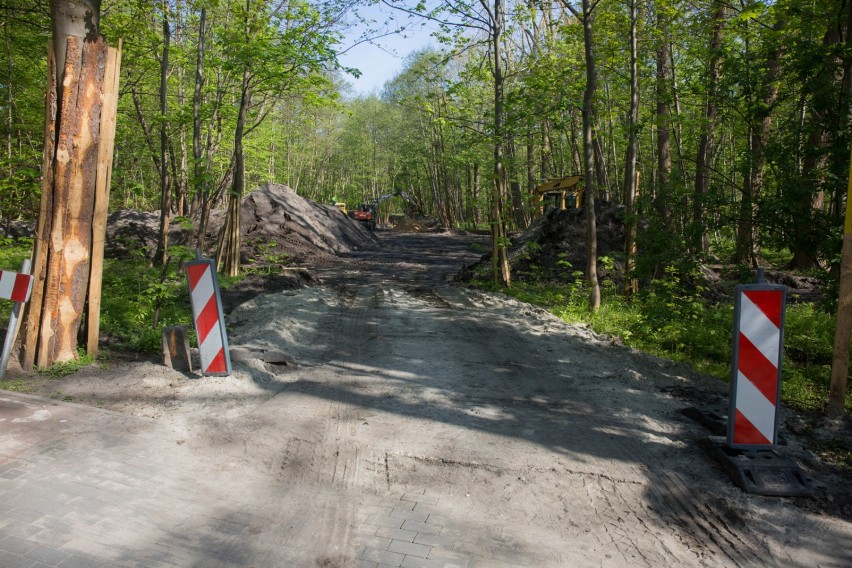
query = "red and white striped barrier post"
{"x": 16, "y": 287}
{"x": 756, "y": 366}
{"x": 208, "y": 315}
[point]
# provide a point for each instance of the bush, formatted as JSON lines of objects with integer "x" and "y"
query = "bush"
{"x": 133, "y": 294}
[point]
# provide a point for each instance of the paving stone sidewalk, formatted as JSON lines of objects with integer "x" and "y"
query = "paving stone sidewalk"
{"x": 89, "y": 488}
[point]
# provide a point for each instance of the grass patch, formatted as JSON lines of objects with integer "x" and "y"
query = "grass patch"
{"x": 65, "y": 368}
{"x": 136, "y": 300}
{"x": 13, "y": 252}
{"x": 17, "y": 385}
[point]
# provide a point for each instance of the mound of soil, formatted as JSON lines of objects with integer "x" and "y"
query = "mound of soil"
{"x": 131, "y": 232}
{"x": 554, "y": 247}
{"x": 418, "y": 224}
{"x": 275, "y": 221}
{"x": 277, "y": 226}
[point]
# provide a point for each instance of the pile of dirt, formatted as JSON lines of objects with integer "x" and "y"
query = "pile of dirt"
{"x": 418, "y": 224}
{"x": 131, "y": 232}
{"x": 277, "y": 226}
{"x": 276, "y": 221}
{"x": 553, "y": 249}
{"x": 554, "y": 246}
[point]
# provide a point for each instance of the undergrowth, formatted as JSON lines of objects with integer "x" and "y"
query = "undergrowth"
{"x": 136, "y": 300}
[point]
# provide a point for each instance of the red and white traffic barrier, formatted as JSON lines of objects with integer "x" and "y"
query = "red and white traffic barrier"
{"x": 209, "y": 317}
{"x": 16, "y": 287}
{"x": 756, "y": 367}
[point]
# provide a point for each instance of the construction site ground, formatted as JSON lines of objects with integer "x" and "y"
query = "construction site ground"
{"x": 385, "y": 416}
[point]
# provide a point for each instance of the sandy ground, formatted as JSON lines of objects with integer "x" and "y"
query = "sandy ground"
{"x": 548, "y": 444}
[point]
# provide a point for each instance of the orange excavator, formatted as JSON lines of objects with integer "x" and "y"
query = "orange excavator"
{"x": 366, "y": 212}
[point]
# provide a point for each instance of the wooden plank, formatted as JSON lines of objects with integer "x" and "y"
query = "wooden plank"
{"x": 102, "y": 188}
{"x": 32, "y": 316}
{"x": 55, "y": 240}
{"x": 176, "y": 354}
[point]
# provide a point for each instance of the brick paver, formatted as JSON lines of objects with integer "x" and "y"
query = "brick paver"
{"x": 88, "y": 488}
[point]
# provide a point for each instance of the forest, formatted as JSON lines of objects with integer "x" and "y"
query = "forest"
{"x": 723, "y": 126}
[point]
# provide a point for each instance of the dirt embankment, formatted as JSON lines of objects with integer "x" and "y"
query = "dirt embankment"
{"x": 278, "y": 227}
{"x": 553, "y": 249}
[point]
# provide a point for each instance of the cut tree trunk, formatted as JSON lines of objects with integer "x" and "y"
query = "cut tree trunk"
{"x": 99, "y": 221}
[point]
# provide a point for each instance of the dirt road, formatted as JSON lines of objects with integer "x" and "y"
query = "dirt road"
{"x": 425, "y": 424}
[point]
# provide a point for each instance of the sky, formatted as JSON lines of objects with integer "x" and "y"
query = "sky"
{"x": 381, "y": 59}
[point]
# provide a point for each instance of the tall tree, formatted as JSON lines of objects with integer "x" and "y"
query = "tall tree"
{"x": 489, "y": 19}
{"x": 275, "y": 48}
{"x": 663, "y": 89}
{"x": 160, "y": 256}
{"x": 631, "y": 176}
{"x": 706, "y": 143}
{"x": 585, "y": 16}
{"x": 759, "y": 118}
{"x": 824, "y": 73}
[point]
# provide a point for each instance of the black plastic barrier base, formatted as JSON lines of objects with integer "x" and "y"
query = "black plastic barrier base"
{"x": 762, "y": 472}
{"x": 713, "y": 417}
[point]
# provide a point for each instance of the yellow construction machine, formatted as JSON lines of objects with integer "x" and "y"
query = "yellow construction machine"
{"x": 561, "y": 193}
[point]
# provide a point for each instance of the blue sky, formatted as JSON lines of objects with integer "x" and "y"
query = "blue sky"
{"x": 381, "y": 59}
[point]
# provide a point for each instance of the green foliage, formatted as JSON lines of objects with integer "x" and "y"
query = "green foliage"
{"x": 131, "y": 293}
{"x": 17, "y": 385}
{"x": 808, "y": 335}
{"x": 13, "y": 252}
{"x": 267, "y": 261}
{"x": 479, "y": 248}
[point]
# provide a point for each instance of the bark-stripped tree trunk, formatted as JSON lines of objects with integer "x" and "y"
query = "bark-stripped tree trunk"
{"x": 102, "y": 189}
{"x": 704, "y": 159}
{"x": 64, "y": 232}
